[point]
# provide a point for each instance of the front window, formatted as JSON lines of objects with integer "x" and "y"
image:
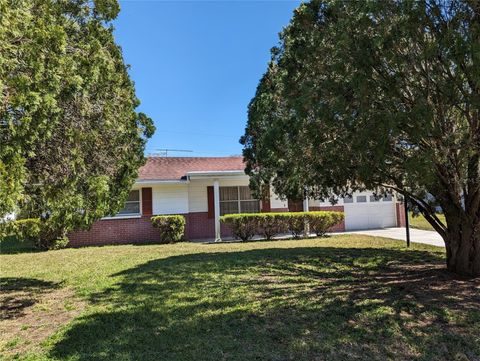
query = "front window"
{"x": 361, "y": 199}
{"x": 132, "y": 205}
{"x": 237, "y": 200}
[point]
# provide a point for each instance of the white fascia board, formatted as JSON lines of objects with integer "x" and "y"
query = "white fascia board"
{"x": 143, "y": 182}
{"x": 123, "y": 216}
{"x": 210, "y": 174}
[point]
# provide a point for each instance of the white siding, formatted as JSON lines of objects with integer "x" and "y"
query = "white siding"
{"x": 197, "y": 195}
{"x": 276, "y": 202}
{"x": 313, "y": 202}
{"x": 170, "y": 199}
{"x": 324, "y": 203}
{"x": 197, "y": 191}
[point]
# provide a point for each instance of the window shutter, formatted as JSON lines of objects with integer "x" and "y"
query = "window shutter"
{"x": 147, "y": 201}
{"x": 266, "y": 207}
{"x": 211, "y": 202}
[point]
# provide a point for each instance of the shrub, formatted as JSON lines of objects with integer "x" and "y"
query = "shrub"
{"x": 246, "y": 225}
{"x": 296, "y": 223}
{"x": 36, "y": 231}
{"x": 271, "y": 224}
{"x": 320, "y": 222}
{"x": 27, "y": 229}
{"x": 172, "y": 228}
{"x": 56, "y": 243}
{"x": 243, "y": 225}
{"x": 51, "y": 236}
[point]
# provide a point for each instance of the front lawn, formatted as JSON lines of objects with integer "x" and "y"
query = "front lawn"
{"x": 420, "y": 222}
{"x": 340, "y": 298}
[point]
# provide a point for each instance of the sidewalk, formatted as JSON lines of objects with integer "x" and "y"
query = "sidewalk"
{"x": 416, "y": 235}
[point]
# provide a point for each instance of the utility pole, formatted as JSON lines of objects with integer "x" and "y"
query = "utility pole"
{"x": 407, "y": 223}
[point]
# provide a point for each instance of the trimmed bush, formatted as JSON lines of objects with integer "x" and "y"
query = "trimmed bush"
{"x": 243, "y": 225}
{"x": 271, "y": 224}
{"x": 320, "y": 222}
{"x": 247, "y": 225}
{"x": 296, "y": 224}
{"x": 172, "y": 228}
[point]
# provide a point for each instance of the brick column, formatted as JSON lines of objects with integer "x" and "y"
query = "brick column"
{"x": 400, "y": 208}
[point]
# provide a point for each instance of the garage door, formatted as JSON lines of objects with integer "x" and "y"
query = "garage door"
{"x": 369, "y": 215}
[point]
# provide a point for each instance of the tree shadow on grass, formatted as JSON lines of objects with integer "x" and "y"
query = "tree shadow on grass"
{"x": 282, "y": 304}
{"x": 17, "y": 294}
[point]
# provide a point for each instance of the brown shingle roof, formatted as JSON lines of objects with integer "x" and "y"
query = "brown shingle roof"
{"x": 174, "y": 168}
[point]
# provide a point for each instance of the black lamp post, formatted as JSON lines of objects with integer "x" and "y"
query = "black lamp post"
{"x": 407, "y": 224}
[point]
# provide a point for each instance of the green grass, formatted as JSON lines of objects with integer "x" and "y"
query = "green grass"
{"x": 420, "y": 222}
{"x": 339, "y": 298}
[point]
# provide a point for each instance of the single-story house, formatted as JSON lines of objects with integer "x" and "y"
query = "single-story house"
{"x": 204, "y": 188}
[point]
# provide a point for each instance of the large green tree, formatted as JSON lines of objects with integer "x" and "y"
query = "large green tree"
{"x": 382, "y": 95}
{"x": 71, "y": 140}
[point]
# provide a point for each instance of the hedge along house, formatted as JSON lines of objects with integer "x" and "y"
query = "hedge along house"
{"x": 204, "y": 188}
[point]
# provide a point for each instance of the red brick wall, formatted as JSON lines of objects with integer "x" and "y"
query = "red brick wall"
{"x": 338, "y": 227}
{"x": 401, "y": 221}
{"x": 140, "y": 230}
{"x": 200, "y": 226}
{"x": 115, "y": 231}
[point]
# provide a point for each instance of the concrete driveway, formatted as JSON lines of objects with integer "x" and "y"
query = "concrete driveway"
{"x": 416, "y": 235}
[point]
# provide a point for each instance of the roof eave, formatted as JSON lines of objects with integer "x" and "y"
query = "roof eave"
{"x": 161, "y": 181}
{"x": 220, "y": 173}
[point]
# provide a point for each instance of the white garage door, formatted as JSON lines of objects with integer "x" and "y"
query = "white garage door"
{"x": 369, "y": 215}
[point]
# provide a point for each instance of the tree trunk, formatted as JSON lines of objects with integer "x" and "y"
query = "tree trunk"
{"x": 463, "y": 249}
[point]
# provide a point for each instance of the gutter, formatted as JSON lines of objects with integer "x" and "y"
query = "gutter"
{"x": 222, "y": 173}
{"x": 160, "y": 181}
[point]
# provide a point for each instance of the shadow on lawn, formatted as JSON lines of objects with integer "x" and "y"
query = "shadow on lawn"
{"x": 282, "y": 304}
{"x": 11, "y": 245}
{"x": 17, "y": 294}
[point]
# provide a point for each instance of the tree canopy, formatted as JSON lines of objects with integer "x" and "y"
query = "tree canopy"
{"x": 383, "y": 95}
{"x": 71, "y": 139}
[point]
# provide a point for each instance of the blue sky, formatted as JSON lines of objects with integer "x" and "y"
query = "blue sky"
{"x": 196, "y": 65}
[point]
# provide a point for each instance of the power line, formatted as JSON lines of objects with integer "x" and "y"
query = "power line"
{"x": 198, "y": 152}
{"x": 160, "y": 131}
{"x": 164, "y": 151}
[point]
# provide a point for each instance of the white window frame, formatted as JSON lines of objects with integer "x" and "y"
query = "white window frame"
{"x": 238, "y": 200}
{"x": 361, "y": 195}
{"x": 129, "y": 215}
{"x": 384, "y": 199}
